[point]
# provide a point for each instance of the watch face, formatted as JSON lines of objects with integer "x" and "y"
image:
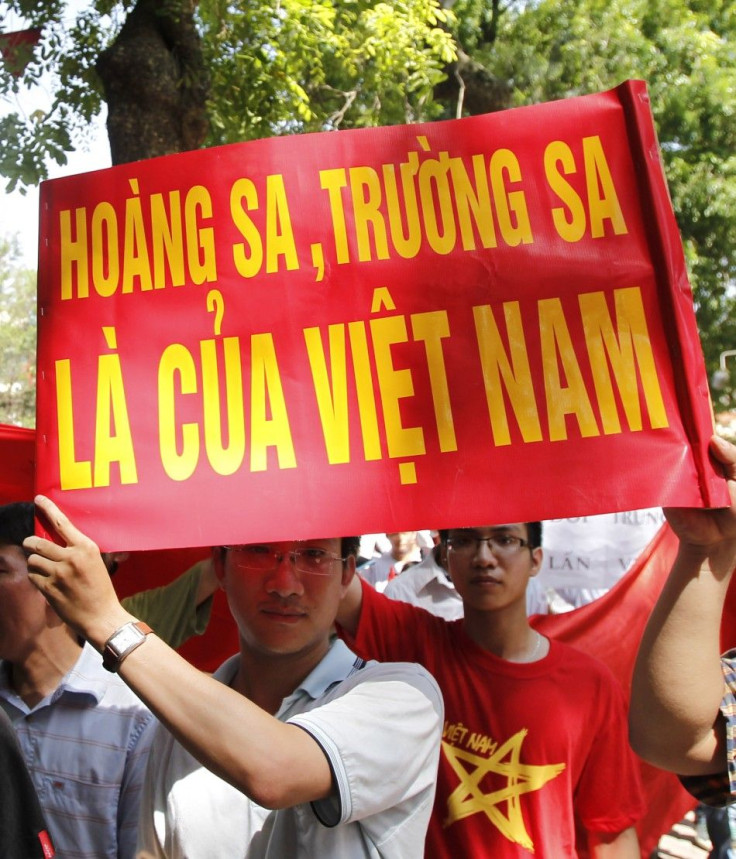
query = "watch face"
{"x": 125, "y": 637}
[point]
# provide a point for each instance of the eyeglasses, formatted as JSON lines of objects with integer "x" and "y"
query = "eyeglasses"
{"x": 262, "y": 558}
{"x": 501, "y": 545}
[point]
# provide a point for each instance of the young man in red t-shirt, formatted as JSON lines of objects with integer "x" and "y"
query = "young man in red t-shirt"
{"x": 535, "y": 738}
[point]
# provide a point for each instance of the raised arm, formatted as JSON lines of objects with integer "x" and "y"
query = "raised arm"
{"x": 674, "y": 717}
{"x": 276, "y": 764}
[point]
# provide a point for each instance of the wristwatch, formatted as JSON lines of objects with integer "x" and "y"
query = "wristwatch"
{"x": 122, "y": 642}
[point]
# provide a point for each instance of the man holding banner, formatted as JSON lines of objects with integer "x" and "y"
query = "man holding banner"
{"x": 327, "y": 756}
{"x": 683, "y": 715}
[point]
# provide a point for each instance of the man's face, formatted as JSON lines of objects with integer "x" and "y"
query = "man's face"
{"x": 279, "y": 609}
{"x": 492, "y": 574}
{"x": 402, "y": 543}
{"x": 23, "y": 609}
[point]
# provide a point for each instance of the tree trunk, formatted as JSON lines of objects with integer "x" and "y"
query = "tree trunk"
{"x": 155, "y": 82}
{"x": 471, "y": 89}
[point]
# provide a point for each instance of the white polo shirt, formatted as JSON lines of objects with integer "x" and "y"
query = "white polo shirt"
{"x": 380, "y": 728}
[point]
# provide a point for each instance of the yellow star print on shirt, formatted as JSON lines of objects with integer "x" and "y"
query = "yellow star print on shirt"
{"x": 502, "y": 807}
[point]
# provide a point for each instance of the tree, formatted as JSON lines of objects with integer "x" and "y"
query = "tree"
{"x": 155, "y": 82}
{"x": 17, "y": 337}
{"x": 177, "y": 75}
{"x": 686, "y": 51}
{"x": 322, "y": 65}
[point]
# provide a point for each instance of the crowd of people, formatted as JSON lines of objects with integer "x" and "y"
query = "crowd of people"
{"x": 388, "y": 699}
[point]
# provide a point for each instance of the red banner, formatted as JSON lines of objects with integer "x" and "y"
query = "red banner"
{"x": 17, "y": 466}
{"x": 453, "y": 323}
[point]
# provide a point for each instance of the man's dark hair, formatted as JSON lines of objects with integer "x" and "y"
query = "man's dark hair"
{"x": 535, "y": 534}
{"x": 16, "y": 522}
{"x": 533, "y": 529}
{"x": 349, "y": 546}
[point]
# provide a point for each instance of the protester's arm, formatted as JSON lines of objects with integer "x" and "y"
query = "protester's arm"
{"x": 619, "y": 845}
{"x": 276, "y": 764}
{"x": 677, "y": 688}
{"x": 179, "y": 609}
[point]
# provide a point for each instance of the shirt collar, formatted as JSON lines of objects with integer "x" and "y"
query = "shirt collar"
{"x": 338, "y": 663}
{"x": 85, "y": 678}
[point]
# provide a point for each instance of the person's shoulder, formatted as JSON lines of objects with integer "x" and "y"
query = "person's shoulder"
{"x": 399, "y": 670}
{"x": 406, "y": 591}
{"x": 385, "y": 603}
{"x": 573, "y": 657}
{"x": 122, "y": 701}
{"x": 410, "y": 580}
{"x": 409, "y": 673}
{"x": 595, "y": 683}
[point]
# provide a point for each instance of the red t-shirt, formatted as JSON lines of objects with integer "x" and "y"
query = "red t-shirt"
{"x": 526, "y": 748}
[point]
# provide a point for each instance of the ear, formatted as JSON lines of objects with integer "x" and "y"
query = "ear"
{"x": 537, "y": 557}
{"x": 218, "y": 562}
